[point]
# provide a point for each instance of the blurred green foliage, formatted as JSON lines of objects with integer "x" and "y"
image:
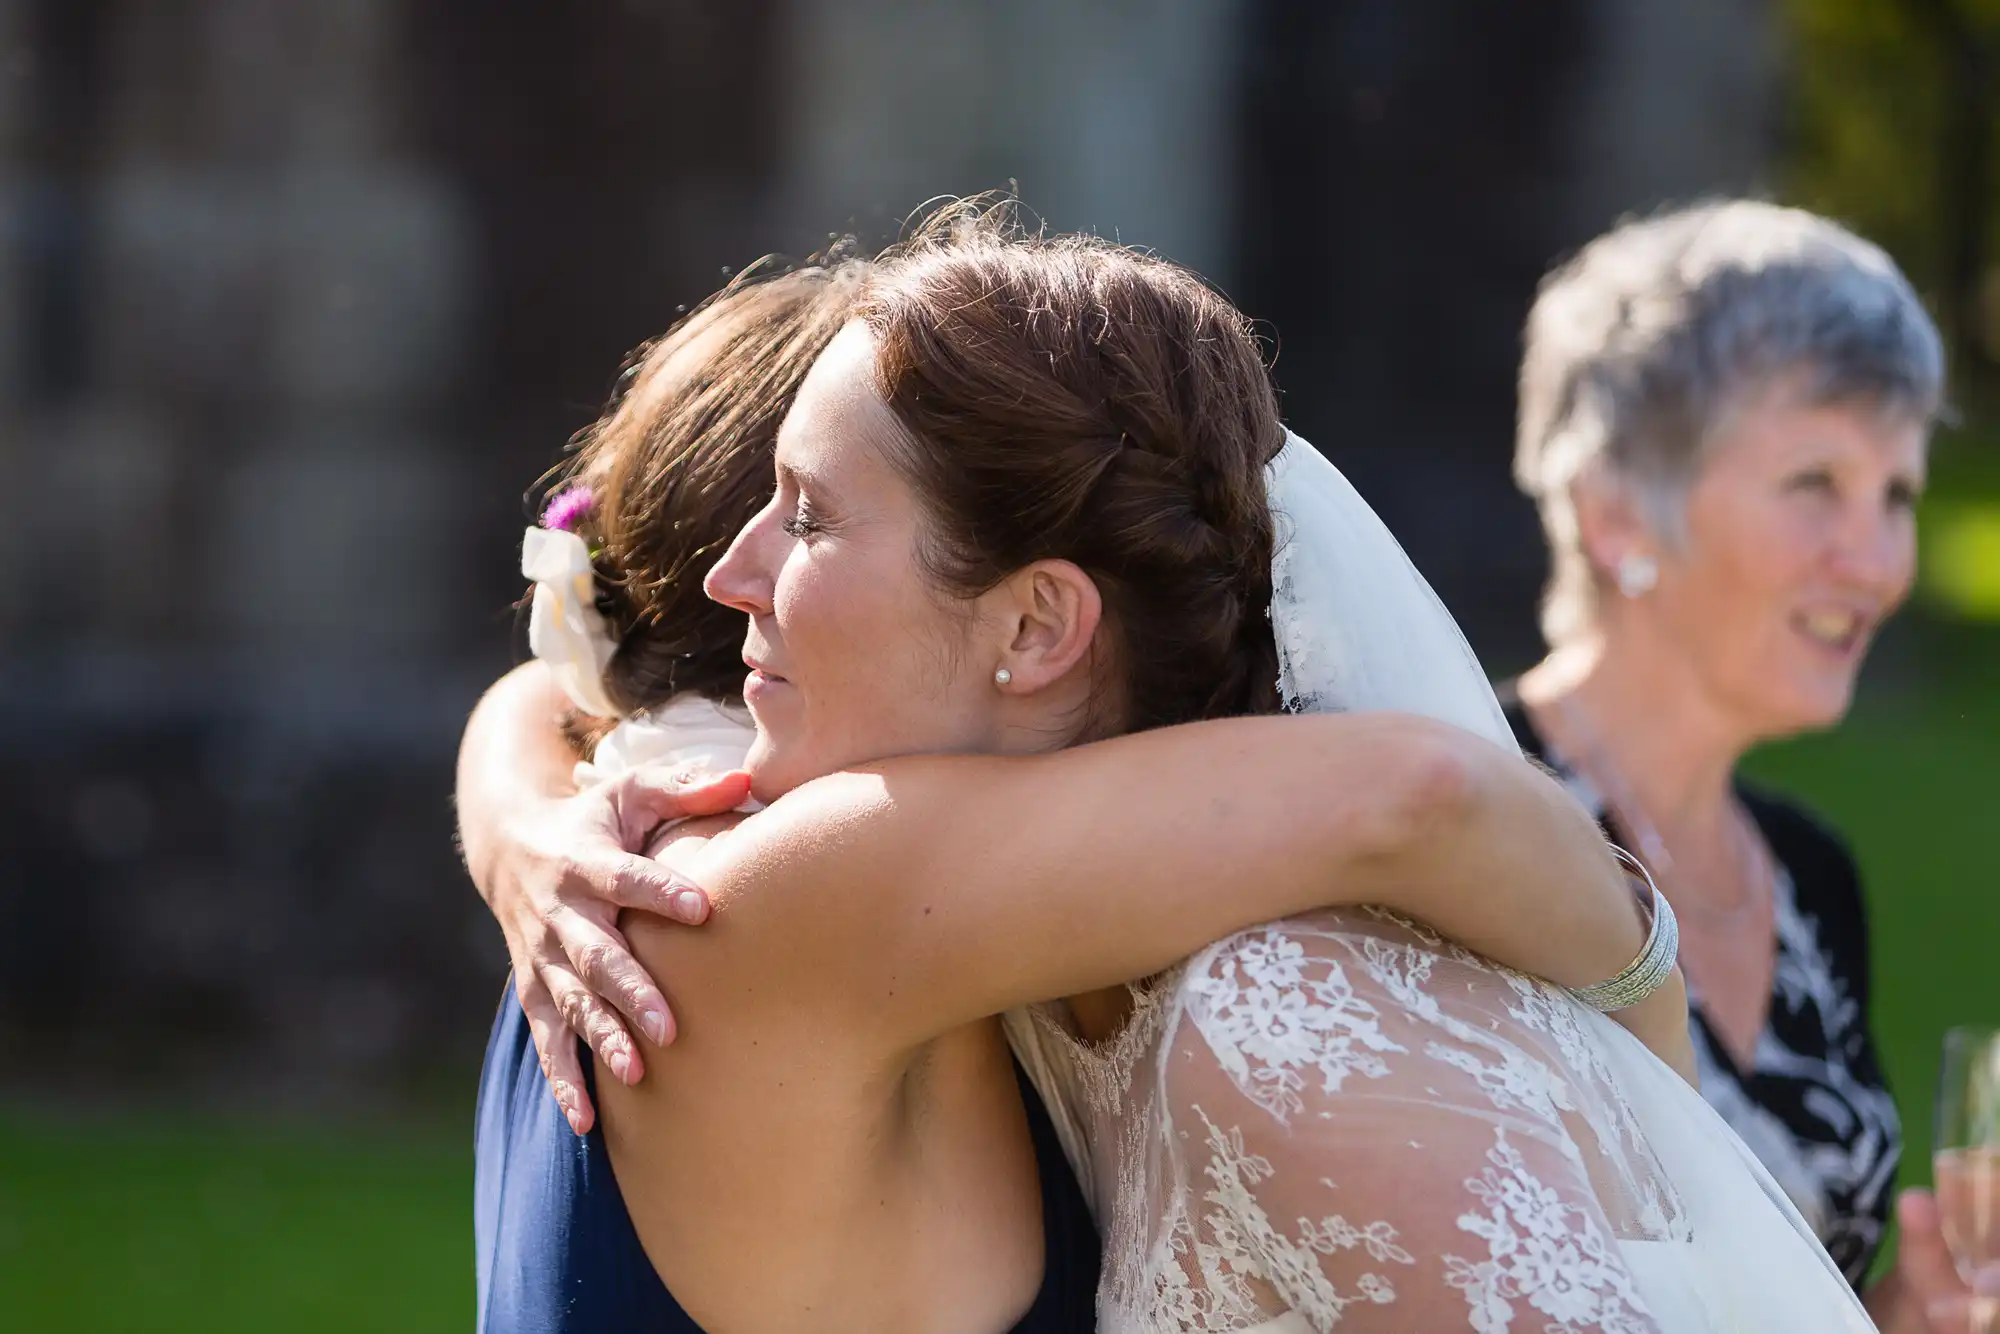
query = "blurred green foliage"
{"x": 1893, "y": 115}
{"x": 1959, "y": 535}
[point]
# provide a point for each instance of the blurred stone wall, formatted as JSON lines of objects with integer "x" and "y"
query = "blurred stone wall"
{"x": 297, "y": 300}
{"x": 237, "y": 616}
{"x": 295, "y": 303}
{"x": 1411, "y": 169}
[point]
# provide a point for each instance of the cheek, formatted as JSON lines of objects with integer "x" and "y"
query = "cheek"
{"x": 823, "y": 614}
{"x": 1737, "y": 589}
{"x": 864, "y": 636}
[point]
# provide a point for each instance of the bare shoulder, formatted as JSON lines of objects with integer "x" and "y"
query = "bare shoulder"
{"x": 777, "y": 916}
{"x": 754, "y": 866}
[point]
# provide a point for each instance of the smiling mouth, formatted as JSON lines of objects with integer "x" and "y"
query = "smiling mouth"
{"x": 1840, "y": 631}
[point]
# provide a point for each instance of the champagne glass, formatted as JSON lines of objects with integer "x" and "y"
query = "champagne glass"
{"x": 1967, "y": 1162}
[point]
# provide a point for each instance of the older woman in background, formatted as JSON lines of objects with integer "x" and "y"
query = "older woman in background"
{"x": 1724, "y": 417}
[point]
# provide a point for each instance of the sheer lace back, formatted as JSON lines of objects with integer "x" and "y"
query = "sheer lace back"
{"x": 1344, "y": 1121}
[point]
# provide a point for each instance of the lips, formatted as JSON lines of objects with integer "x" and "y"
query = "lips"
{"x": 760, "y": 681}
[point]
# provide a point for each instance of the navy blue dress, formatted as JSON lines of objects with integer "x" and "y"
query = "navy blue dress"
{"x": 557, "y": 1252}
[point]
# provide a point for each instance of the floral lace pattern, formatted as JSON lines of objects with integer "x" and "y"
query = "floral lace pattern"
{"x": 1345, "y": 1122}
{"x": 1533, "y": 1235}
{"x": 1273, "y": 1018}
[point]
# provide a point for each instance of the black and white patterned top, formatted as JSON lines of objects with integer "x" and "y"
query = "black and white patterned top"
{"x": 1813, "y": 1107}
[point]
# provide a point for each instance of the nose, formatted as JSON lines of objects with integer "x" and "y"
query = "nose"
{"x": 747, "y": 572}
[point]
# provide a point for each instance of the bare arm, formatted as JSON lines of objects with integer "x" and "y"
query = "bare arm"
{"x": 554, "y": 867}
{"x": 931, "y": 891}
{"x": 554, "y": 870}
{"x": 512, "y": 760}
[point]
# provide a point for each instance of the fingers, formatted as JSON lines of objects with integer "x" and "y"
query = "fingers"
{"x": 603, "y": 959}
{"x": 652, "y": 793}
{"x": 589, "y": 1017}
{"x": 1922, "y": 1256}
{"x": 638, "y": 882}
{"x": 1963, "y": 1315}
{"x": 556, "y": 1046}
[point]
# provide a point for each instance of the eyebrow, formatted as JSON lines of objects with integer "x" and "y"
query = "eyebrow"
{"x": 806, "y": 477}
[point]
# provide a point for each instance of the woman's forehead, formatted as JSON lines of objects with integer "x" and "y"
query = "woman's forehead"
{"x": 838, "y": 415}
{"x": 1781, "y": 425}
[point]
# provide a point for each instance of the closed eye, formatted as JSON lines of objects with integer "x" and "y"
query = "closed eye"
{"x": 1904, "y": 494}
{"x": 801, "y": 522}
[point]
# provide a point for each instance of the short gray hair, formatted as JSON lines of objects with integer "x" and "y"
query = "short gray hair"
{"x": 1638, "y": 346}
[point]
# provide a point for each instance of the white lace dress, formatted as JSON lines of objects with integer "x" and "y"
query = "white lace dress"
{"x": 1344, "y": 1122}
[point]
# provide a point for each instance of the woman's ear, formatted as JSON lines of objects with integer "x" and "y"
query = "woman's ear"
{"x": 1052, "y": 610}
{"x": 1611, "y": 529}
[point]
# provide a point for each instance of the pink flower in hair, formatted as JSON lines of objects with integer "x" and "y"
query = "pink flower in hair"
{"x": 566, "y": 506}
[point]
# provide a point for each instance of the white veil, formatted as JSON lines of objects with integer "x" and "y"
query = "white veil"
{"x": 1357, "y": 627}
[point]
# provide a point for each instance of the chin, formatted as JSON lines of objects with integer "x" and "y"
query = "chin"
{"x": 1810, "y": 708}
{"x": 776, "y": 767}
{"x": 766, "y": 769}
{"x": 1828, "y": 713}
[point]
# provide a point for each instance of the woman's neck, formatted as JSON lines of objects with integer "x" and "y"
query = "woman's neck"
{"x": 1629, "y": 702}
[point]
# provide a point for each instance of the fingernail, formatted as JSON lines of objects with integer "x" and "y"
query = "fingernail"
{"x": 655, "y": 1025}
{"x": 619, "y": 1063}
{"x": 575, "y": 1121}
{"x": 690, "y": 906}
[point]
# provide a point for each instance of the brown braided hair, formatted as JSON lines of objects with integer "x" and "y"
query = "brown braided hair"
{"x": 680, "y": 461}
{"x": 1073, "y": 399}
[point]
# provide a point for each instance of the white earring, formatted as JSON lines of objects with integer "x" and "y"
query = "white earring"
{"x": 1637, "y": 574}
{"x": 1002, "y": 676}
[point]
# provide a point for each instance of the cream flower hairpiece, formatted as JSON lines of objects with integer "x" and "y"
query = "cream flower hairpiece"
{"x": 565, "y": 628}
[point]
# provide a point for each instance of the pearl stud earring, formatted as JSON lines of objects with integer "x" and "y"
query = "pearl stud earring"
{"x": 1637, "y": 574}
{"x": 1002, "y": 676}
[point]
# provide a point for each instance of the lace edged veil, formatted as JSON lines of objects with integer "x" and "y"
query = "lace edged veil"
{"x": 1357, "y": 626}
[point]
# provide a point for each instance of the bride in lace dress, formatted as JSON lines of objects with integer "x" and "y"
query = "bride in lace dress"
{"x": 1246, "y": 1122}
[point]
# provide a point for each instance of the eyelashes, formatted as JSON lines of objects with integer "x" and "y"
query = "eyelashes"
{"x": 801, "y": 522}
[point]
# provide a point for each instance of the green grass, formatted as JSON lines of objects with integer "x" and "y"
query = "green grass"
{"x": 135, "y": 1229}
{"x": 139, "y": 1229}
